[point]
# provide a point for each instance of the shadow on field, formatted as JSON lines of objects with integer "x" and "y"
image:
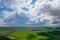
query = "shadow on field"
{"x": 4, "y": 38}
{"x": 53, "y": 35}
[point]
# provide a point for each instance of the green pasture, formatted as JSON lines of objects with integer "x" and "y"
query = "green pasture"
{"x": 28, "y": 34}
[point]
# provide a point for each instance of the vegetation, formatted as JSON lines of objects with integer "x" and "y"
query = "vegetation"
{"x": 29, "y": 34}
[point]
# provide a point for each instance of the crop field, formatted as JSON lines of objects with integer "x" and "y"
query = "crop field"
{"x": 29, "y": 34}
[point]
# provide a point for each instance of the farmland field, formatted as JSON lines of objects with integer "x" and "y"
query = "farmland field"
{"x": 29, "y": 34}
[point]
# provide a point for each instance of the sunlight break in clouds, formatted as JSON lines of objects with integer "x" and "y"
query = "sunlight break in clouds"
{"x": 30, "y": 12}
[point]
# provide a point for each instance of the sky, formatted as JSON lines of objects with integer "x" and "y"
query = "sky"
{"x": 29, "y": 13}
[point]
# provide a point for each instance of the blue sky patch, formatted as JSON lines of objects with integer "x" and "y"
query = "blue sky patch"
{"x": 33, "y": 1}
{"x": 25, "y": 9}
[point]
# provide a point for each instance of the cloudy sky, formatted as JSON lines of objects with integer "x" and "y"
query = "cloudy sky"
{"x": 29, "y": 13}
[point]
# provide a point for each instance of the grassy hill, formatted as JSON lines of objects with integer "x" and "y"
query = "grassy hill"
{"x": 29, "y": 34}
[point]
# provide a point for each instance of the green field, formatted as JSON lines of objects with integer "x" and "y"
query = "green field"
{"x": 29, "y": 34}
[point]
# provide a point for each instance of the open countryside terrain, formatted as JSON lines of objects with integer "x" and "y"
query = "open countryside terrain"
{"x": 29, "y": 33}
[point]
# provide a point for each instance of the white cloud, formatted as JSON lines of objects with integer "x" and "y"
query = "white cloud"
{"x": 8, "y": 14}
{"x": 44, "y": 11}
{"x": 2, "y": 23}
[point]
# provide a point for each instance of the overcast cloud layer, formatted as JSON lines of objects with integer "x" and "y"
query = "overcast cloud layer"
{"x": 30, "y": 13}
